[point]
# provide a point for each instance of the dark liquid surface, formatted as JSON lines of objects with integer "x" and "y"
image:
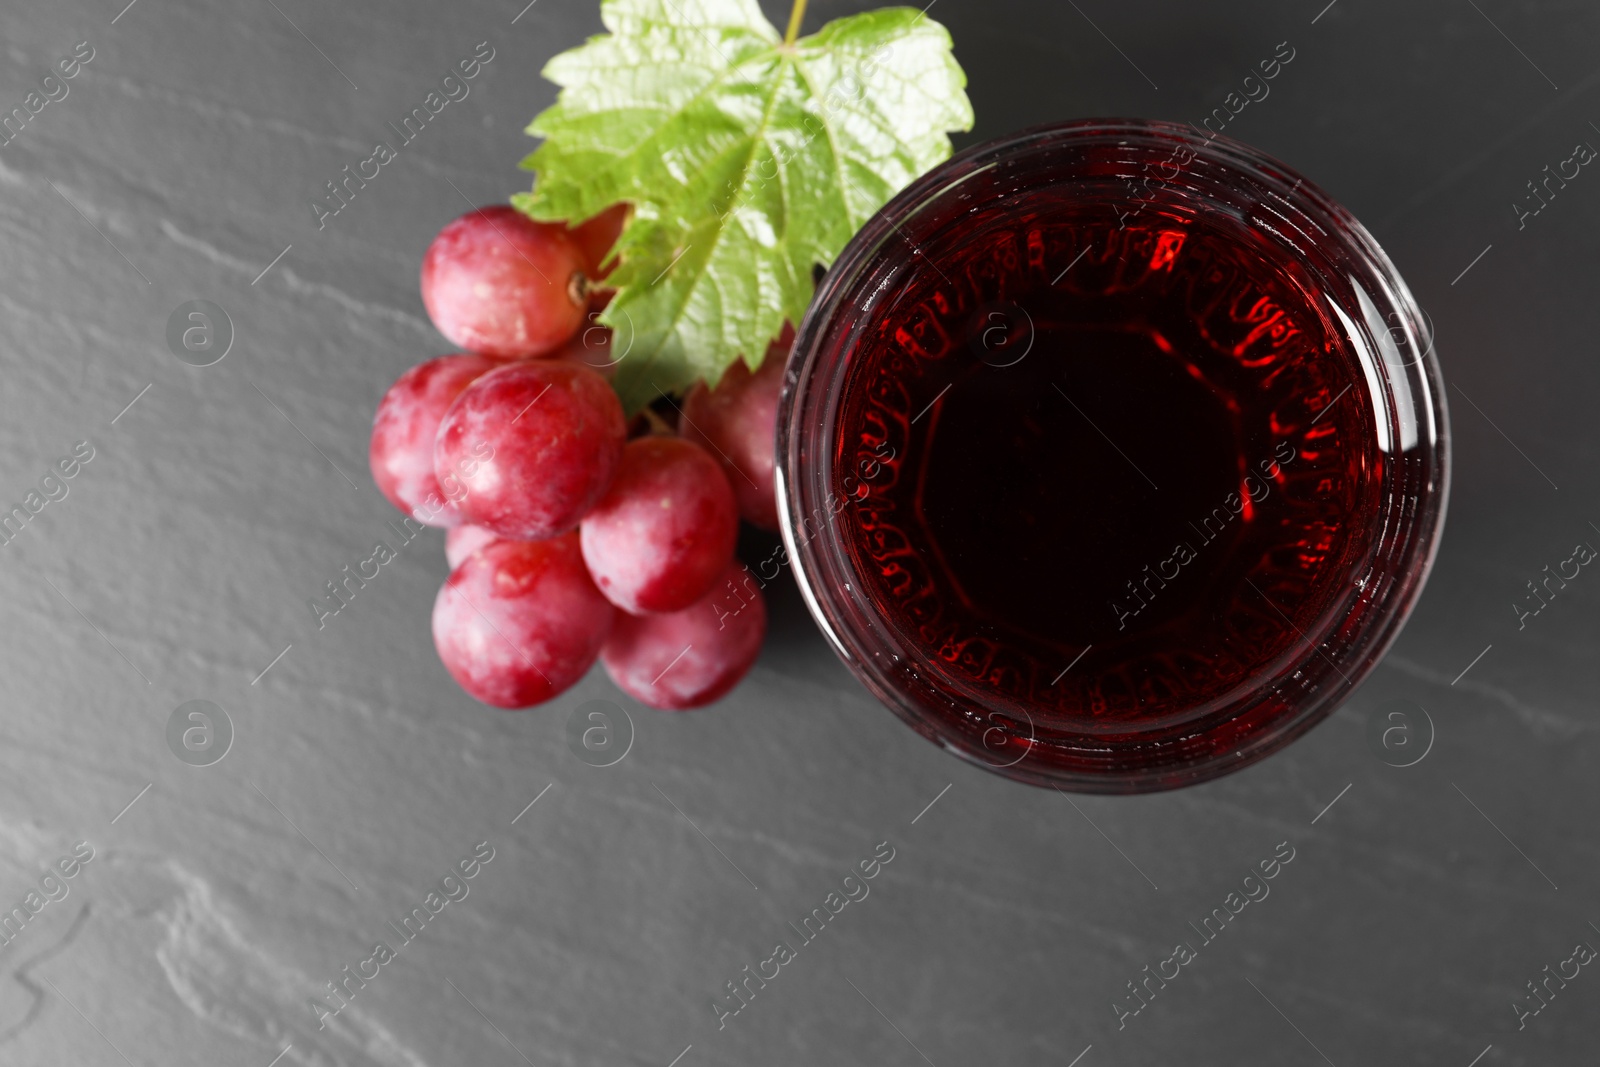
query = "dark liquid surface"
{"x": 1141, "y": 452}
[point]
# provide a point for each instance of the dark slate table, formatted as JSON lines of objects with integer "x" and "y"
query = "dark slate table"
{"x": 217, "y": 901}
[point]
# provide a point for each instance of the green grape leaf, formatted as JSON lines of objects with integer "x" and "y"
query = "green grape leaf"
{"x": 747, "y": 162}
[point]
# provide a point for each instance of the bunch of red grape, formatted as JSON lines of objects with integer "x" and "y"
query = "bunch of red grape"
{"x": 574, "y": 534}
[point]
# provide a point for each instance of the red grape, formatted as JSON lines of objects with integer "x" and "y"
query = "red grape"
{"x": 664, "y": 531}
{"x": 534, "y": 446}
{"x": 693, "y": 656}
{"x": 737, "y": 422}
{"x": 462, "y": 541}
{"x": 498, "y": 283}
{"x": 591, "y": 348}
{"x": 403, "y": 430}
{"x": 596, "y": 236}
{"x": 520, "y": 621}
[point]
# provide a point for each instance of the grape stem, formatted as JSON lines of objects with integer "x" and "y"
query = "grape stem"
{"x": 580, "y": 287}
{"x": 796, "y": 13}
{"x": 657, "y": 424}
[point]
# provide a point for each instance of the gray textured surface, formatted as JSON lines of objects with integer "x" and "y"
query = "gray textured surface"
{"x": 1008, "y": 922}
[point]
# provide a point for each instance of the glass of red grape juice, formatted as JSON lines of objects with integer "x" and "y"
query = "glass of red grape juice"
{"x": 1112, "y": 456}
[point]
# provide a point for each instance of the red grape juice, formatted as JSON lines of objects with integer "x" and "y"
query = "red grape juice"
{"x": 1133, "y": 450}
{"x": 1125, "y": 491}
